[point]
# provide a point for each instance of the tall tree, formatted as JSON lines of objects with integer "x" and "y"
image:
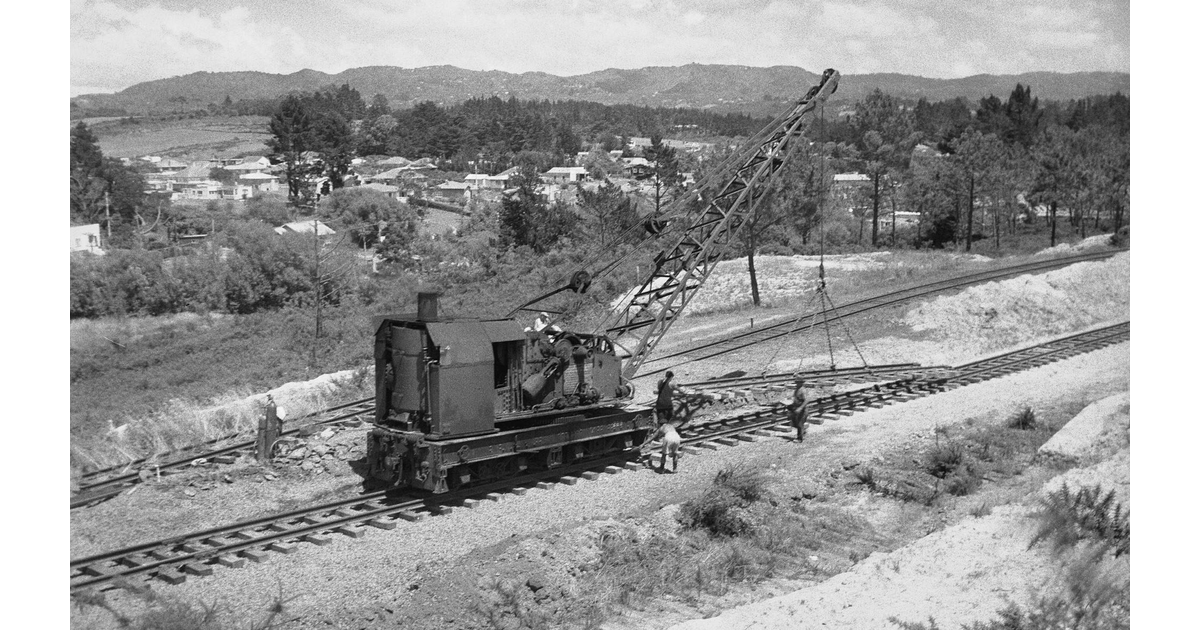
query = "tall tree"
{"x": 884, "y": 135}
{"x": 293, "y": 131}
{"x": 976, "y": 157}
{"x": 607, "y": 210}
{"x": 665, "y": 176}
{"x": 1054, "y": 179}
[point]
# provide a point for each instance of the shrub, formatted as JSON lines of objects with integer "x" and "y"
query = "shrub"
{"x": 721, "y": 510}
{"x": 1024, "y": 420}
{"x": 945, "y": 459}
{"x": 1067, "y": 517}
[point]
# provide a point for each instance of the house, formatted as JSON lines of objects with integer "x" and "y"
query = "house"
{"x": 480, "y": 181}
{"x": 167, "y": 165}
{"x": 391, "y": 191}
{"x": 195, "y": 172}
{"x": 848, "y": 188}
{"x": 305, "y": 227}
{"x": 564, "y": 174}
{"x": 458, "y": 192}
{"x": 86, "y": 238}
{"x": 251, "y": 164}
{"x": 637, "y": 166}
{"x": 260, "y": 182}
{"x": 213, "y": 190}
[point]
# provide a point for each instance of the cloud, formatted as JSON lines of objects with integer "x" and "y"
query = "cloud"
{"x": 116, "y": 45}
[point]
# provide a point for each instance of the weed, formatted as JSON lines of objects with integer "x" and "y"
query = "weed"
{"x": 1023, "y": 420}
{"x": 945, "y": 459}
{"x": 981, "y": 510}
{"x": 168, "y": 612}
{"x": 1067, "y": 517}
{"x": 865, "y": 475}
{"x": 722, "y": 509}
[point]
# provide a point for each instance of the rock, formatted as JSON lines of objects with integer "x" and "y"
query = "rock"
{"x": 307, "y": 430}
{"x": 307, "y": 466}
{"x": 189, "y": 492}
{"x": 850, "y": 464}
{"x": 227, "y": 479}
{"x": 535, "y": 583}
{"x": 327, "y": 433}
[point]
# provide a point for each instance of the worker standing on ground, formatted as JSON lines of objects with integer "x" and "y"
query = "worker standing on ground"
{"x": 664, "y": 408}
{"x": 798, "y": 410}
{"x": 670, "y": 446}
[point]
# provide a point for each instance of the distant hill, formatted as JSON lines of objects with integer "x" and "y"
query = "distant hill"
{"x": 723, "y": 88}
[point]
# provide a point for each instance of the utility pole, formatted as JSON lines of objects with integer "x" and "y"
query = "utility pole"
{"x": 316, "y": 288}
{"x": 107, "y": 219}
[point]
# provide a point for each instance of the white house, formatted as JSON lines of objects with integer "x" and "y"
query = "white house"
{"x": 260, "y": 182}
{"x": 86, "y": 238}
{"x": 564, "y": 174}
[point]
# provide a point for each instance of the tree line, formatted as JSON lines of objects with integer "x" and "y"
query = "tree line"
{"x": 982, "y": 170}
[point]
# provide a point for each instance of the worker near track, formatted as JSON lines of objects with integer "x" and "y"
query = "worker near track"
{"x": 798, "y": 410}
{"x": 670, "y": 445}
{"x": 664, "y": 407}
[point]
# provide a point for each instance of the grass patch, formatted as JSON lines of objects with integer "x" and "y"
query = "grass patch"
{"x": 731, "y": 534}
{"x": 159, "y": 611}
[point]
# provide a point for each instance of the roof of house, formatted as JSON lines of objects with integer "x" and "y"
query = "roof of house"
{"x": 453, "y": 186}
{"x": 567, "y": 170}
{"x": 636, "y": 161}
{"x": 851, "y": 177}
{"x": 395, "y": 161}
{"x": 477, "y": 176}
{"x": 388, "y": 174}
{"x": 384, "y": 188}
{"x": 257, "y": 176}
{"x": 247, "y": 166}
{"x": 305, "y": 227}
{"x": 196, "y": 169}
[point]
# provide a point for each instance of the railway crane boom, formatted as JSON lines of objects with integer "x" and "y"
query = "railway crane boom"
{"x": 681, "y": 269}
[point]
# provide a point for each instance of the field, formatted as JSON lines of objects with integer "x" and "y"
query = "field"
{"x": 183, "y": 139}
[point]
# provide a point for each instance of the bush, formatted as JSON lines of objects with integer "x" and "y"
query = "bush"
{"x": 1067, "y": 517}
{"x": 1023, "y": 420}
{"x": 721, "y": 510}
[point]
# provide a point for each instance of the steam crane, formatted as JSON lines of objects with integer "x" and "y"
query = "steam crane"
{"x": 463, "y": 400}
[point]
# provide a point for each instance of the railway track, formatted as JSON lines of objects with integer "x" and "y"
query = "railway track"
{"x": 104, "y": 484}
{"x": 792, "y": 325}
{"x": 174, "y": 559}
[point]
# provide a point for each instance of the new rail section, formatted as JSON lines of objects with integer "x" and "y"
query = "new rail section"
{"x": 173, "y": 559}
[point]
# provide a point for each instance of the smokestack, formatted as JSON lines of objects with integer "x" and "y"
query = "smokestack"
{"x": 427, "y": 307}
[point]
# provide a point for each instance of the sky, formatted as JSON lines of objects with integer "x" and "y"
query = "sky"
{"x": 118, "y": 43}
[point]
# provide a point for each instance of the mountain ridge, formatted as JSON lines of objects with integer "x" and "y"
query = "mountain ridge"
{"x": 721, "y": 87}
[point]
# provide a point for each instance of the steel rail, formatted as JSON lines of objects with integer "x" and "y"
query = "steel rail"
{"x": 808, "y": 321}
{"x": 170, "y": 558}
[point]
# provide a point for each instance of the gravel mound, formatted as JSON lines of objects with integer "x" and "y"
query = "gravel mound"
{"x": 985, "y": 318}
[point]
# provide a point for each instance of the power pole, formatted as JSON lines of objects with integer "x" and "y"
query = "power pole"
{"x": 316, "y": 289}
{"x": 107, "y": 219}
